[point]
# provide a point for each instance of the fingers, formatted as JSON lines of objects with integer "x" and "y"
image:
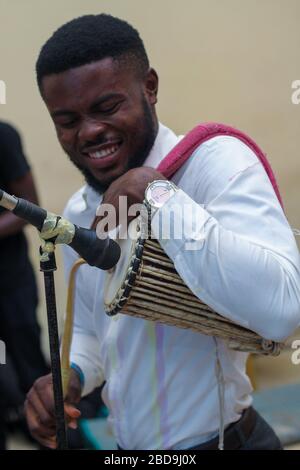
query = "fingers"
{"x": 40, "y": 411}
{"x": 42, "y": 425}
{"x": 45, "y": 435}
{"x": 42, "y": 393}
{"x": 43, "y": 409}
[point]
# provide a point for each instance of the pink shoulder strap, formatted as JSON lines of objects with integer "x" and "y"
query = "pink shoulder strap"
{"x": 205, "y": 131}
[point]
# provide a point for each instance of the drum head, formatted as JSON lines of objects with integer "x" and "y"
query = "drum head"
{"x": 117, "y": 278}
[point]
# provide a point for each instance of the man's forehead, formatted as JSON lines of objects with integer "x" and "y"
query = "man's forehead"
{"x": 104, "y": 74}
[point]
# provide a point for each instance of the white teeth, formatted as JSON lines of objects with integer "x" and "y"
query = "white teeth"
{"x": 104, "y": 153}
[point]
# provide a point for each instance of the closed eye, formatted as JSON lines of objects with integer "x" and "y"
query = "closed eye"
{"x": 108, "y": 109}
{"x": 66, "y": 124}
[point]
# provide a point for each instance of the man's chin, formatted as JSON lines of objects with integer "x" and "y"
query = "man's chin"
{"x": 99, "y": 186}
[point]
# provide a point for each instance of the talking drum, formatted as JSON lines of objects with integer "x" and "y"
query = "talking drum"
{"x": 146, "y": 284}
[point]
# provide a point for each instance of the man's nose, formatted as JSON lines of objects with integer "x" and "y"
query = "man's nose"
{"x": 91, "y": 130}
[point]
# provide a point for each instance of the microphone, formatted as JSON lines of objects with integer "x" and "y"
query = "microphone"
{"x": 103, "y": 254}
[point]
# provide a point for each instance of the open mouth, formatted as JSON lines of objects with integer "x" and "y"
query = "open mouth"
{"x": 104, "y": 153}
{"x": 102, "y": 157}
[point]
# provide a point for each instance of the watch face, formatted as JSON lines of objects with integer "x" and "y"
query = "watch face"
{"x": 159, "y": 192}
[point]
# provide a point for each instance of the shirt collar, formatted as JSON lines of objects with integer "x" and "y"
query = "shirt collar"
{"x": 165, "y": 140}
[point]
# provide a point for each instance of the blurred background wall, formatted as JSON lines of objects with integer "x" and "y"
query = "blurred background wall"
{"x": 231, "y": 61}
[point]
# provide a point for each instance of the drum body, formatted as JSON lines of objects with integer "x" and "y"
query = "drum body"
{"x": 146, "y": 284}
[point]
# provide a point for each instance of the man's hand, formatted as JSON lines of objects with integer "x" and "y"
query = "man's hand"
{"x": 40, "y": 413}
{"x": 132, "y": 185}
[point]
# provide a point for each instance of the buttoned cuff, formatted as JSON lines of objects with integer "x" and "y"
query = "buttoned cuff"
{"x": 93, "y": 378}
{"x": 79, "y": 372}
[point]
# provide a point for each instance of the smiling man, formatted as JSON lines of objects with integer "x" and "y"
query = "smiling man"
{"x": 123, "y": 98}
{"x": 161, "y": 386}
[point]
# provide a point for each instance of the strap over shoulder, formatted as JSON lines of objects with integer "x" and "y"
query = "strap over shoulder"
{"x": 203, "y": 132}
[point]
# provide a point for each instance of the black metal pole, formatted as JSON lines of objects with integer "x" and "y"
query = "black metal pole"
{"x": 48, "y": 267}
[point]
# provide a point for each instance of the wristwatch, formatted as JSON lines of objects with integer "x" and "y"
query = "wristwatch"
{"x": 157, "y": 193}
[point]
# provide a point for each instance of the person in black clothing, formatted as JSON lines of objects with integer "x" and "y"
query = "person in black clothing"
{"x": 18, "y": 299}
{"x": 19, "y": 328}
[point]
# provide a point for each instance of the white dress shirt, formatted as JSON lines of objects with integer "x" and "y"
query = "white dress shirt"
{"x": 161, "y": 387}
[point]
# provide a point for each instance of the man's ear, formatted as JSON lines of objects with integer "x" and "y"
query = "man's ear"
{"x": 151, "y": 86}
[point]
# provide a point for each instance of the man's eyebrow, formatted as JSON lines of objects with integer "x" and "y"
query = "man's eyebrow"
{"x": 61, "y": 112}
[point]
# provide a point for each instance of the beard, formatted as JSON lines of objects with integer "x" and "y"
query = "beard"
{"x": 148, "y": 129}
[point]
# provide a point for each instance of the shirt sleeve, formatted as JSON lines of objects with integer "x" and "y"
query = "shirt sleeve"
{"x": 231, "y": 243}
{"x": 13, "y": 163}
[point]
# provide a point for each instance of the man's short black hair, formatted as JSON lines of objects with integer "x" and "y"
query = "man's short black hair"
{"x": 88, "y": 39}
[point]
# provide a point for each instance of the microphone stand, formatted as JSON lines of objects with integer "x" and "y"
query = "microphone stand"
{"x": 48, "y": 266}
{"x": 97, "y": 252}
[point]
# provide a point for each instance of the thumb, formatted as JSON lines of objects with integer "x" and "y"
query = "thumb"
{"x": 72, "y": 412}
{"x": 72, "y": 415}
